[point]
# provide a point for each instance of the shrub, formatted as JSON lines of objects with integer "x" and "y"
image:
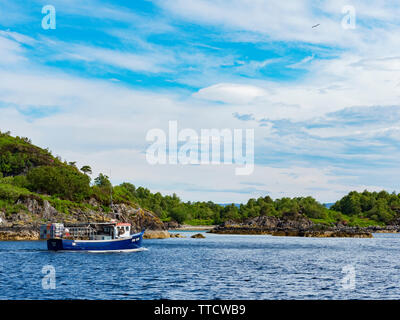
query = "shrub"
{"x": 64, "y": 181}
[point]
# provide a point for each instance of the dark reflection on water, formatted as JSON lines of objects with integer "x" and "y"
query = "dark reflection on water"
{"x": 218, "y": 267}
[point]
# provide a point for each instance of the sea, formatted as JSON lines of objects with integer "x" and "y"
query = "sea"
{"x": 217, "y": 267}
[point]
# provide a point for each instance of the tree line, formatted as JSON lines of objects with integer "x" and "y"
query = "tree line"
{"x": 26, "y": 166}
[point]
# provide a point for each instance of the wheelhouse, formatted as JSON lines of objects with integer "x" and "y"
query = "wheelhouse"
{"x": 88, "y": 231}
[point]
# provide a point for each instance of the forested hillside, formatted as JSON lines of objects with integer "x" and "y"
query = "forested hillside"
{"x": 27, "y": 170}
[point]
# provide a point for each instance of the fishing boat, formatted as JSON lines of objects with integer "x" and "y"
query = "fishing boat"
{"x": 92, "y": 237}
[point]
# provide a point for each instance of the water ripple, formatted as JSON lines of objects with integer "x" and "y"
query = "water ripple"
{"x": 218, "y": 267}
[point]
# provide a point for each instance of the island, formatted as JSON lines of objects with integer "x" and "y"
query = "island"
{"x": 37, "y": 187}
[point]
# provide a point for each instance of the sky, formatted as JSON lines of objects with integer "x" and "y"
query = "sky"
{"x": 321, "y": 97}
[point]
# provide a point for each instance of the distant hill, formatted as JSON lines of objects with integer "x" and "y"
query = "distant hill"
{"x": 326, "y": 205}
{"x": 228, "y": 204}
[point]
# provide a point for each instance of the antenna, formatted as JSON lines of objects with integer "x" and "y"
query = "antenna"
{"x": 111, "y": 192}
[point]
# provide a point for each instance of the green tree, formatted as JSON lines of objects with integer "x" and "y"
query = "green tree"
{"x": 86, "y": 170}
{"x": 65, "y": 182}
{"x": 102, "y": 181}
{"x": 178, "y": 214}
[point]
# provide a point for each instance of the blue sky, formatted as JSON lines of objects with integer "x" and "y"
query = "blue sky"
{"x": 323, "y": 101}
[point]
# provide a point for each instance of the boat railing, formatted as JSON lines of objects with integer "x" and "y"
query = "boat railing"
{"x": 86, "y": 232}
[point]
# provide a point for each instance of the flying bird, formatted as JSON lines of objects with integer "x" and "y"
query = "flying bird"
{"x": 316, "y": 25}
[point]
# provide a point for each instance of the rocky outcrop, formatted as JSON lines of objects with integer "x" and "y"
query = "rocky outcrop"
{"x": 177, "y": 235}
{"x": 24, "y": 225}
{"x": 138, "y": 217}
{"x": 326, "y": 234}
{"x": 386, "y": 229}
{"x": 289, "y": 225}
{"x": 172, "y": 225}
{"x": 14, "y": 234}
{"x": 156, "y": 234}
{"x": 198, "y": 236}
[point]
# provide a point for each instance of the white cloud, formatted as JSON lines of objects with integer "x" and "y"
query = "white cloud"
{"x": 330, "y": 85}
{"x": 231, "y": 93}
{"x": 302, "y": 63}
{"x": 271, "y": 20}
{"x": 104, "y": 123}
{"x": 146, "y": 62}
{"x": 10, "y": 51}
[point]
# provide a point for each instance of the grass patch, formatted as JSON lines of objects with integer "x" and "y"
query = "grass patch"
{"x": 352, "y": 221}
{"x": 12, "y": 193}
{"x": 11, "y": 208}
{"x": 200, "y": 222}
{"x": 364, "y": 222}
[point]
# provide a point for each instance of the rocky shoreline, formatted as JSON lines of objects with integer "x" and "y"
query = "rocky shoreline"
{"x": 18, "y": 233}
{"x": 297, "y": 226}
{"x": 341, "y": 233}
{"x": 25, "y": 224}
{"x": 186, "y": 227}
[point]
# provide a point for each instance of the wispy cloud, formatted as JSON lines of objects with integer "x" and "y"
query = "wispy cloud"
{"x": 147, "y": 62}
{"x": 323, "y": 101}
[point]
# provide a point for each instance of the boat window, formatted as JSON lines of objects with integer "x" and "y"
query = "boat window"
{"x": 120, "y": 231}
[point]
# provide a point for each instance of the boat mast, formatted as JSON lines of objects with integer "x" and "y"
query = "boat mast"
{"x": 111, "y": 192}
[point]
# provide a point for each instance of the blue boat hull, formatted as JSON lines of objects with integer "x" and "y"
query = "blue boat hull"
{"x": 132, "y": 243}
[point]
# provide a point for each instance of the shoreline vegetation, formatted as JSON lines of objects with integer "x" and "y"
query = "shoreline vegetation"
{"x": 37, "y": 187}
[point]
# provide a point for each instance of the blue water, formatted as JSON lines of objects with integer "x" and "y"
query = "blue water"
{"x": 218, "y": 267}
